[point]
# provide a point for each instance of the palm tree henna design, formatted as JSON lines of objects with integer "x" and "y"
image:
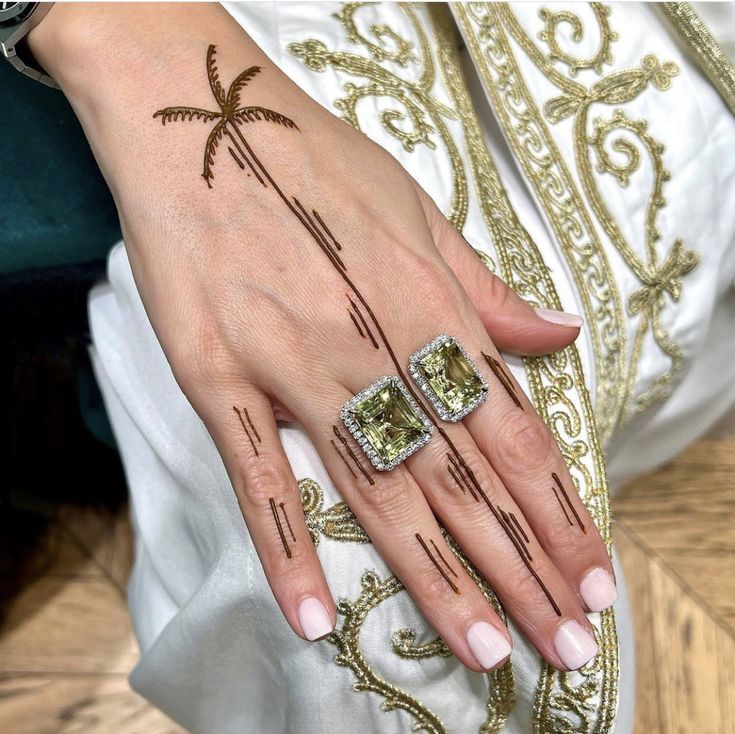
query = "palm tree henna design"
{"x": 279, "y": 525}
{"x": 442, "y": 567}
{"x": 569, "y": 504}
{"x": 248, "y": 432}
{"x": 231, "y": 118}
{"x": 503, "y": 378}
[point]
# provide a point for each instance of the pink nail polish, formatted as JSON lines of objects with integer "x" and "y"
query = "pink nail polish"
{"x": 488, "y": 644}
{"x": 562, "y": 318}
{"x": 314, "y": 619}
{"x": 598, "y": 590}
{"x": 574, "y": 645}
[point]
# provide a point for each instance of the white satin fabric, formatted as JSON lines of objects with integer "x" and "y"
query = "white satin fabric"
{"x": 216, "y": 654}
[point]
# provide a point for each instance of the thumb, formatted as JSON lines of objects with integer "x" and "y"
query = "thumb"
{"x": 511, "y": 323}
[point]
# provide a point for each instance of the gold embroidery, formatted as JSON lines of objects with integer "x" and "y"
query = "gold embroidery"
{"x": 403, "y": 644}
{"x": 554, "y": 186}
{"x": 649, "y": 302}
{"x": 557, "y": 388}
{"x": 425, "y": 113}
{"x": 336, "y": 523}
{"x": 555, "y": 18}
{"x": 711, "y": 57}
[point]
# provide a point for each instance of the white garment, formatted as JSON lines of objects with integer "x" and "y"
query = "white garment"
{"x": 216, "y": 654}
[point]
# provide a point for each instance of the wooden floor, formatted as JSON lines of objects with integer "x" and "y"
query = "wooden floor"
{"x": 66, "y": 643}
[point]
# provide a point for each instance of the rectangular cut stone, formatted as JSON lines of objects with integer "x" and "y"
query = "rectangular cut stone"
{"x": 451, "y": 376}
{"x": 388, "y": 422}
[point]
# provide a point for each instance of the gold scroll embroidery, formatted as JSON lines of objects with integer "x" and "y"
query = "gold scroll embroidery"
{"x": 660, "y": 275}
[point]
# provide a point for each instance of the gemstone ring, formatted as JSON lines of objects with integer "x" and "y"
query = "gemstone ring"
{"x": 448, "y": 377}
{"x": 387, "y": 422}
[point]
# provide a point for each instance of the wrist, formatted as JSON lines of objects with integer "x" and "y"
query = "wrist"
{"x": 91, "y": 47}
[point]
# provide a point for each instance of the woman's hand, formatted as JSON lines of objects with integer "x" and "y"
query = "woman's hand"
{"x": 286, "y": 262}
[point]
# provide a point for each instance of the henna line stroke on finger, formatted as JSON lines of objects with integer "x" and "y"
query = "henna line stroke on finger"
{"x": 352, "y": 455}
{"x": 456, "y": 478}
{"x": 555, "y": 477}
{"x": 341, "y": 456}
{"x": 245, "y": 428}
{"x": 518, "y": 525}
{"x": 444, "y": 560}
{"x": 438, "y": 566}
{"x": 232, "y": 118}
{"x": 503, "y": 378}
{"x": 288, "y": 522}
{"x": 516, "y": 535}
{"x": 561, "y": 504}
{"x": 284, "y": 542}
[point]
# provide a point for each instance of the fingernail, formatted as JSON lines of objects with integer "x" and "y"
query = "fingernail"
{"x": 574, "y": 645}
{"x": 314, "y": 618}
{"x": 598, "y": 590}
{"x": 488, "y": 644}
{"x": 560, "y": 317}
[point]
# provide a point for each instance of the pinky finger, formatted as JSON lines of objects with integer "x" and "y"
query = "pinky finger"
{"x": 267, "y": 492}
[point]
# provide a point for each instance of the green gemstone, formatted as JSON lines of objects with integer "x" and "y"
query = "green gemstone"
{"x": 389, "y": 422}
{"x": 451, "y": 376}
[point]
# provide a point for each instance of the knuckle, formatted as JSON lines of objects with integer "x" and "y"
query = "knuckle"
{"x": 391, "y": 497}
{"x": 524, "y": 443}
{"x": 258, "y": 481}
{"x": 201, "y": 359}
{"x": 430, "y": 282}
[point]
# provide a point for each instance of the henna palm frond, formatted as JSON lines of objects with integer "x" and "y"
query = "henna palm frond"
{"x": 228, "y": 114}
{"x": 213, "y": 76}
{"x": 257, "y": 114}
{"x": 241, "y": 80}
{"x": 211, "y": 149}
{"x": 174, "y": 114}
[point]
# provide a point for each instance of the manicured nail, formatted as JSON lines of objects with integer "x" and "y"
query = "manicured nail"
{"x": 560, "y": 317}
{"x": 574, "y": 645}
{"x": 488, "y": 644}
{"x": 314, "y": 619}
{"x": 598, "y": 590}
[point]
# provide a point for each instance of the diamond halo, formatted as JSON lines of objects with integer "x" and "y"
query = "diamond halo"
{"x": 384, "y": 460}
{"x": 439, "y": 405}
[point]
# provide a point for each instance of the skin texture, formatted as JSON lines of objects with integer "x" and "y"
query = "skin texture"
{"x": 260, "y": 324}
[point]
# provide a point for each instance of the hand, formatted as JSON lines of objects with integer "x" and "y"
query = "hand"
{"x": 286, "y": 262}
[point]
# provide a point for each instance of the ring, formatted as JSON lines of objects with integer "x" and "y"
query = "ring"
{"x": 387, "y": 422}
{"x": 448, "y": 377}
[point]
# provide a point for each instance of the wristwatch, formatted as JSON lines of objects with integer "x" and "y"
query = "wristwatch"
{"x": 16, "y": 22}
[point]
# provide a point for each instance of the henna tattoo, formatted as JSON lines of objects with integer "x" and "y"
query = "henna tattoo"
{"x": 352, "y": 455}
{"x": 245, "y": 427}
{"x": 558, "y": 483}
{"x": 521, "y": 544}
{"x": 518, "y": 526}
{"x": 342, "y": 456}
{"x": 230, "y": 118}
{"x": 357, "y": 326}
{"x": 288, "y": 522}
{"x": 279, "y": 525}
{"x": 438, "y": 565}
{"x": 503, "y": 378}
{"x": 363, "y": 322}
